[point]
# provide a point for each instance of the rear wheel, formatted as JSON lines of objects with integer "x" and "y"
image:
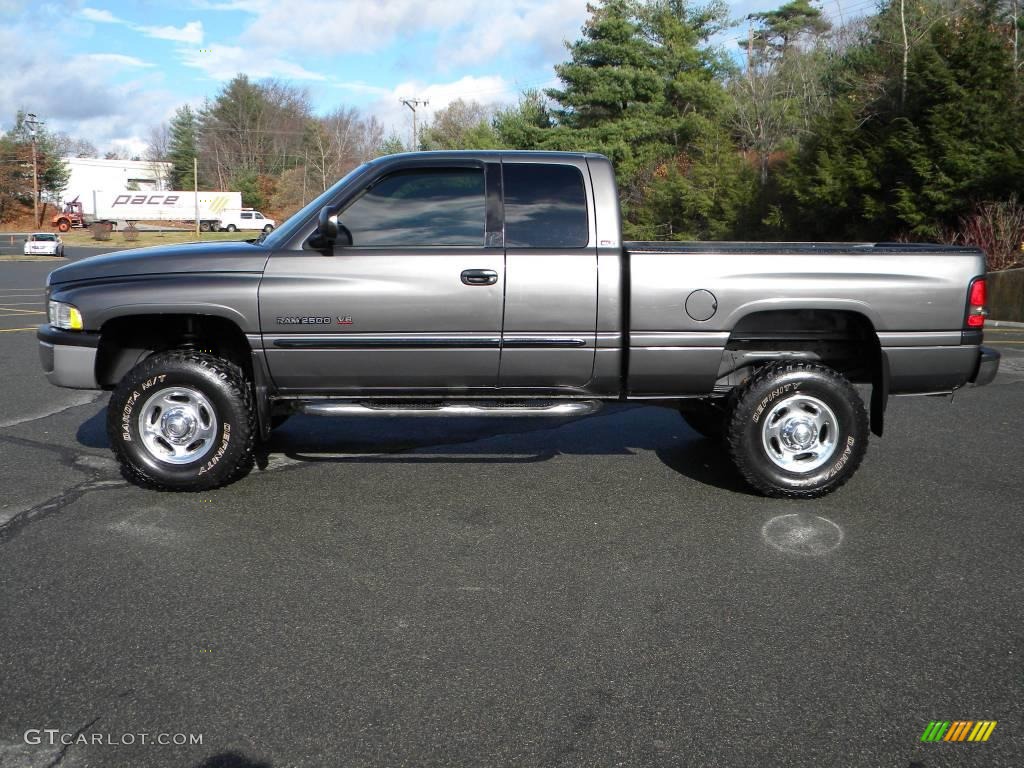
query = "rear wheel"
{"x": 268, "y": 229}
{"x": 204, "y": 226}
{"x": 798, "y": 430}
{"x": 182, "y": 420}
{"x": 231, "y": 228}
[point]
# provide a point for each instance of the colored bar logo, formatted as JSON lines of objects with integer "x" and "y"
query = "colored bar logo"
{"x": 958, "y": 730}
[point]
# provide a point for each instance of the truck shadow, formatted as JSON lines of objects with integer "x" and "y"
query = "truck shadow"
{"x": 617, "y": 430}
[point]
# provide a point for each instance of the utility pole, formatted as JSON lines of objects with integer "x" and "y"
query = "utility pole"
{"x": 906, "y": 55}
{"x": 305, "y": 171}
{"x": 34, "y": 126}
{"x": 195, "y": 190}
{"x": 412, "y": 104}
{"x": 1015, "y": 38}
{"x": 750, "y": 48}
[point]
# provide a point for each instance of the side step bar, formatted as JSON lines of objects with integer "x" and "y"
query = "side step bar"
{"x": 412, "y": 410}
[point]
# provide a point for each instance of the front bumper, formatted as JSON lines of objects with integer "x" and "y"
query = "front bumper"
{"x": 988, "y": 367}
{"x": 68, "y": 357}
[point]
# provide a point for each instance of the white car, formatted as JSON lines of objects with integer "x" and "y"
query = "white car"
{"x": 44, "y": 244}
{"x": 245, "y": 219}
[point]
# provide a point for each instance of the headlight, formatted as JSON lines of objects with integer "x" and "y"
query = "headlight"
{"x": 65, "y": 316}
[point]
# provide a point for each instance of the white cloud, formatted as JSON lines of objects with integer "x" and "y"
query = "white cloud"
{"x": 357, "y": 86}
{"x": 117, "y": 59}
{"x": 191, "y": 33}
{"x": 472, "y": 30}
{"x": 246, "y": 6}
{"x": 100, "y": 16}
{"x": 529, "y": 29}
{"x": 107, "y": 113}
{"x": 223, "y": 62}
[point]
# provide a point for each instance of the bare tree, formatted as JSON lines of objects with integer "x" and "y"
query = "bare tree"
{"x": 340, "y": 141}
{"x": 157, "y": 150}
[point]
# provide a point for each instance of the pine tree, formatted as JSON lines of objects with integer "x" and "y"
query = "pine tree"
{"x": 183, "y": 148}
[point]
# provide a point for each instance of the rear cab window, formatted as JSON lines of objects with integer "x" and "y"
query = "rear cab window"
{"x": 545, "y": 206}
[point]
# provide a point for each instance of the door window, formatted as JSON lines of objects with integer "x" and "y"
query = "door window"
{"x": 545, "y": 206}
{"x": 422, "y": 207}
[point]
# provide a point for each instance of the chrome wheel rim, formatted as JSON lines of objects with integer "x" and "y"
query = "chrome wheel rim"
{"x": 800, "y": 433}
{"x": 178, "y": 425}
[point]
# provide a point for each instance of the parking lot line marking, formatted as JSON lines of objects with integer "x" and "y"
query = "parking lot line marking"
{"x": 12, "y": 330}
{"x": 19, "y": 312}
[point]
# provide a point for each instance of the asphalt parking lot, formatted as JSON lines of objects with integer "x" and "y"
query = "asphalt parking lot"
{"x": 593, "y": 593}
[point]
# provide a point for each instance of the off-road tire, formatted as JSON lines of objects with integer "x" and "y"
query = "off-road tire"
{"x": 224, "y": 386}
{"x": 774, "y": 384}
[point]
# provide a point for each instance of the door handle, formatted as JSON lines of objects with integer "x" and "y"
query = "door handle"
{"x": 479, "y": 276}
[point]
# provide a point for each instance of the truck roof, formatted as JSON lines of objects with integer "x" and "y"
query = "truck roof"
{"x": 489, "y": 154}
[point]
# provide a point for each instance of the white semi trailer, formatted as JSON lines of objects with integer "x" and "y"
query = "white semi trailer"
{"x": 210, "y": 208}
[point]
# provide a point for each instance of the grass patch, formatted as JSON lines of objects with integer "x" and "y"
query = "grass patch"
{"x": 80, "y": 237}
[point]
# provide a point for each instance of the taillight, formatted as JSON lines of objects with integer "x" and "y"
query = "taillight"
{"x": 976, "y": 299}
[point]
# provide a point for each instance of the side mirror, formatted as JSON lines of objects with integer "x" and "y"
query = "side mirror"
{"x": 329, "y": 231}
{"x": 327, "y": 225}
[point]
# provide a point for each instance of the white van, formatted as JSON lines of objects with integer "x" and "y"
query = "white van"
{"x": 236, "y": 221}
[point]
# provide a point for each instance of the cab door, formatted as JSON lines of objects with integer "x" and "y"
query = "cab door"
{"x": 549, "y": 336}
{"x": 413, "y": 305}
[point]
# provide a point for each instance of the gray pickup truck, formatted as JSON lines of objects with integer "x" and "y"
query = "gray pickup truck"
{"x": 497, "y": 284}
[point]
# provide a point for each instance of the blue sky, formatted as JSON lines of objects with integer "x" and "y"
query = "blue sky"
{"x": 109, "y": 70}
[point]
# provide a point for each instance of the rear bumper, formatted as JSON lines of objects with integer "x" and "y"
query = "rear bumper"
{"x": 988, "y": 367}
{"x": 68, "y": 357}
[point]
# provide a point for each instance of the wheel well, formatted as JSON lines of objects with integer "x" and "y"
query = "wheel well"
{"x": 126, "y": 341}
{"x": 843, "y": 340}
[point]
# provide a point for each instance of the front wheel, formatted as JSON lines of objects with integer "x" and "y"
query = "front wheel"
{"x": 797, "y": 430}
{"x": 182, "y": 420}
{"x": 268, "y": 229}
{"x": 231, "y": 228}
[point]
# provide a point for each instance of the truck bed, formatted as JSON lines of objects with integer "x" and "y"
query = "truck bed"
{"x": 737, "y": 246}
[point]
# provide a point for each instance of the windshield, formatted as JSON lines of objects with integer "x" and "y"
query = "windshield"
{"x": 44, "y": 236}
{"x": 289, "y": 226}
